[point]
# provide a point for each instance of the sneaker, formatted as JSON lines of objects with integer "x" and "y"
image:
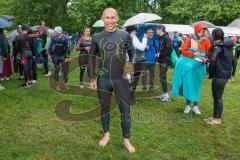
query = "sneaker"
{"x": 7, "y": 78}
{"x": 2, "y": 88}
{"x": 166, "y": 98}
{"x": 34, "y": 82}
{"x": 196, "y": 110}
{"x": 144, "y": 88}
{"x": 21, "y": 78}
{"x": 81, "y": 86}
{"x": 161, "y": 96}
{"x": 29, "y": 85}
{"x": 48, "y": 74}
{"x": 24, "y": 85}
{"x": 187, "y": 109}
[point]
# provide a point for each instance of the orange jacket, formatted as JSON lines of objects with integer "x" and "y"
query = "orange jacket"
{"x": 204, "y": 46}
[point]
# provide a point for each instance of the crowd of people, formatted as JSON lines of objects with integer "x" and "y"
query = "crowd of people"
{"x": 124, "y": 56}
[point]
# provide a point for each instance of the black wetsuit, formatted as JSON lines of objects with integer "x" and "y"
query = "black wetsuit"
{"x": 25, "y": 46}
{"x": 112, "y": 47}
{"x": 83, "y": 57}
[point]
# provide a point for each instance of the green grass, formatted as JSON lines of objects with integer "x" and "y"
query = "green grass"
{"x": 30, "y": 129}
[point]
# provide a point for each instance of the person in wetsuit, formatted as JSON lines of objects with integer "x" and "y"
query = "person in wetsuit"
{"x": 111, "y": 45}
{"x": 84, "y": 45}
{"x": 59, "y": 54}
{"x": 25, "y": 46}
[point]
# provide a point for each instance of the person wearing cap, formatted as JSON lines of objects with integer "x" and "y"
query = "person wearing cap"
{"x": 164, "y": 59}
{"x": 190, "y": 68}
{"x": 59, "y": 55}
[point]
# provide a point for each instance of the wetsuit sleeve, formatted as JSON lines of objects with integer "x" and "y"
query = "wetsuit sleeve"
{"x": 51, "y": 45}
{"x": 185, "y": 48}
{"x": 92, "y": 58}
{"x": 67, "y": 47}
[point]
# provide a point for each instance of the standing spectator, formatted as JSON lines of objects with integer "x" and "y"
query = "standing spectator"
{"x": 177, "y": 43}
{"x": 151, "y": 51}
{"x": 221, "y": 57}
{"x": 7, "y": 67}
{"x": 189, "y": 74}
{"x": 164, "y": 59}
{"x": 139, "y": 58}
{"x": 236, "y": 53}
{"x": 3, "y": 53}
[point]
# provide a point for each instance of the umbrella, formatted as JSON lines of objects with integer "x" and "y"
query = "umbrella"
{"x": 235, "y": 23}
{"x": 12, "y": 35}
{"x": 38, "y": 28}
{"x": 7, "y": 17}
{"x": 141, "y": 18}
{"x": 98, "y": 23}
{"x": 208, "y": 24}
{"x": 4, "y": 23}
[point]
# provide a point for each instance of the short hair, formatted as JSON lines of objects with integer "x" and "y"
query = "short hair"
{"x": 110, "y": 10}
{"x": 218, "y": 34}
{"x": 162, "y": 27}
{"x": 129, "y": 29}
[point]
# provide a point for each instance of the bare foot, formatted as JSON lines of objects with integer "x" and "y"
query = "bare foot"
{"x": 58, "y": 88}
{"x": 66, "y": 87}
{"x": 128, "y": 145}
{"x": 104, "y": 141}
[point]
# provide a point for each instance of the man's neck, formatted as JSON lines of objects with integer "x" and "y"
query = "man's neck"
{"x": 113, "y": 30}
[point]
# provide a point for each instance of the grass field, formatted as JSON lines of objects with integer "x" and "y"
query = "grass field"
{"x": 30, "y": 129}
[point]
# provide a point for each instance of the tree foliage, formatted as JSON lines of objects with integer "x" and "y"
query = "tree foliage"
{"x": 73, "y": 15}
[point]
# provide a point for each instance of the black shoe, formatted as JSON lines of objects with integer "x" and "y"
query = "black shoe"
{"x": 23, "y": 85}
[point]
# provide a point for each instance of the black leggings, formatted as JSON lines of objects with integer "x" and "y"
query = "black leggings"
{"x": 83, "y": 61}
{"x": 82, "y": 71}
{"x": 234, "y": 63}
{"x": 27, "y": 59}
{"x": 137, "y": 72}
{"x": 217, "y": 92}
{"x": 121, "y": 89}
{"x": 57, "y": 61}
{"x": 163, "y": 76}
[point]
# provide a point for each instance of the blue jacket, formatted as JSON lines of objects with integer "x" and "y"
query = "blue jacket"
{"x": 152, "y": 50}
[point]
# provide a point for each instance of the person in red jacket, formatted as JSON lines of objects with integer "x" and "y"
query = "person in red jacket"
{"x": 198, "y": 45}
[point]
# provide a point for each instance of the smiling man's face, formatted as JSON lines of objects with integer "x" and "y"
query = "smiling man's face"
{"x": 110, "y": 19}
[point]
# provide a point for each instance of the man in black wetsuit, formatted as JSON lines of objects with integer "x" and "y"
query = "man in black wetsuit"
{"x": 111, "y": 45}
